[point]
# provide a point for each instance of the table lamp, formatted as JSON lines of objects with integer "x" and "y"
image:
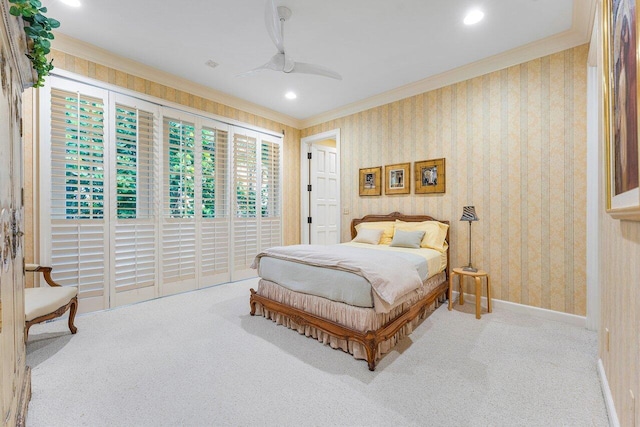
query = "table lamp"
{"x": 469, "y": 214}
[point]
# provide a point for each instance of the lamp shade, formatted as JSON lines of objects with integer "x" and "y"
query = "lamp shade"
{"x": 469, "y": 214}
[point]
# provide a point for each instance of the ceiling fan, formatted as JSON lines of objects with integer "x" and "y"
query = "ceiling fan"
{"x": 275, "y": 18}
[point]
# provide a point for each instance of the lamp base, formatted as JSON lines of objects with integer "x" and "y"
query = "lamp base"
{"x": 469, "y": 268}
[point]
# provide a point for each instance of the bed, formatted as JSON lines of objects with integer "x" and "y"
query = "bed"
{"x": 341, "y": 315}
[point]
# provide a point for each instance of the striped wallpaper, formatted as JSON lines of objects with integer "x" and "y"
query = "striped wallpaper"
{"x": 620, "y": 313}
{"x": 619, "y": 280}
{"x": 515, "y": 147}
{"x": 291, "y": 152}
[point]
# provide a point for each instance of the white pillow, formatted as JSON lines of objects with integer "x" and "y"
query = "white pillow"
{"x": 368, "y": 235}
{"x": 407, "y": 239}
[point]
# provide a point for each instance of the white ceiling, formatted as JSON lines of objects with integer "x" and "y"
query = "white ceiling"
{"x": 375, "y": 45}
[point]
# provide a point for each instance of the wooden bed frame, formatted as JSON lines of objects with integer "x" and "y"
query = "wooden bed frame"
{"x": 369, "y": 339}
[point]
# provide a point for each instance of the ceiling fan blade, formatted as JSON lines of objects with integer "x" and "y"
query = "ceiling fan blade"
{"x": 276, "y": 63}
{"x": 301, "y": 67}
{"x": 274, "y": 25}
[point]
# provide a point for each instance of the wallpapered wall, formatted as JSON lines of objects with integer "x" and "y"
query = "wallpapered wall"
{"x": 291, "y": 152}
{"x": 619, "y": 307}
{"x": 620, "y": 313}
{"x": 515, "y": 147}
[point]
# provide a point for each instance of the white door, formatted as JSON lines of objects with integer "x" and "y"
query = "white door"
{"x": 325, "y": 188}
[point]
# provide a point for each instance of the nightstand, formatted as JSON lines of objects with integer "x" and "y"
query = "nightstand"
{"x": 477, "y": 276}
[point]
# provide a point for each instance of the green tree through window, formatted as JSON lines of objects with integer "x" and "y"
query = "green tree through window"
{"x": 181, "y": 162}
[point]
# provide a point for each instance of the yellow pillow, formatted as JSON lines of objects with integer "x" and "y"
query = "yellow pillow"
{"x": 386, "y": 226}
{"x": 435, "y": 233}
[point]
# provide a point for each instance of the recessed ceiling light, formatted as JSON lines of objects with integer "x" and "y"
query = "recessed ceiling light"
{"x": 473, "y": 17}
{"x": 74, "y": 3}
{"x": 290, "y": 95}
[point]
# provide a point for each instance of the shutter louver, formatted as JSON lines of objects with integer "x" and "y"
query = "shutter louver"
{"x": 215, "y": 153}
{"x": 214, "y": 231}
{"x": 78, "y": 255}
{"x": 178, "y": 225}
{"x": 78, "y": 191}
{"x": 179, "y": 169}
{"x": 178, "y": 250}
{"x": 134, "y": 163}
{"x": 135, "y": 256}
{"x": 245, "y": 186}
{"x": 77, "y": 156}
{"x": 270, "y": 222}
{"x": 135, "y": 231}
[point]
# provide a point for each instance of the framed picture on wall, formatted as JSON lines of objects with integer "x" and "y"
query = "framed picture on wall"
{"x": 371, "y": 181}
{"x": 430, "y": 176}
{"x": 397, "y": 178}
{"x": 622, "y": 175}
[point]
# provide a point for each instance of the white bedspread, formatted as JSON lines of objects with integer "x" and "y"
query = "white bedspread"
{"x": 391, "y": 276}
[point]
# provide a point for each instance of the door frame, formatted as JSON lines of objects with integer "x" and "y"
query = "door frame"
{"x": 305, "y": 143}
{"x": 594, "y": 71}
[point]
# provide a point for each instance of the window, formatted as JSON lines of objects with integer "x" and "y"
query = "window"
{"x": 134, "y": 156}
{"x": 245, "y": 175}
{"x": 180, "y": 174}
{"x": 77, "y": 155}
{"x": 74, "y": 182}
{"x": 147, "y": 200}
{"x": 133, "y": 229}
{"x": 215, "y": 223}
{"x": 214, "y": 173}
{"x": 270, "y": 191}
{"x": 271, "y": 221}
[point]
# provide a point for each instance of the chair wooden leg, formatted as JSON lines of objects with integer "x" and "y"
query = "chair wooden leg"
{"x": 72, "y": 315}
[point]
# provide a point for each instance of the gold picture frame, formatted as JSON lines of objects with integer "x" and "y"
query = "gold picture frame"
{"x": 371, "y": 181}
{"x": 621, "y": 95}
{"x": 430, "y": 176}
{"x": 397, "y": 178}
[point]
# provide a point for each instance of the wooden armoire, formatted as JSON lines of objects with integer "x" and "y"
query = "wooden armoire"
{"x": 16, "y": 74}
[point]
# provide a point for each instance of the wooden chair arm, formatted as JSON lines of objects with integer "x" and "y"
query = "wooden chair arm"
{"x": 46, "y": 272}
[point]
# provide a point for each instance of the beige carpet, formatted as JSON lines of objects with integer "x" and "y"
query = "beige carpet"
{"x": 199, "y": 359}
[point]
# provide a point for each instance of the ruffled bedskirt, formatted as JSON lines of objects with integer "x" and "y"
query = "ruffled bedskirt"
{"x": 356, "y": 318}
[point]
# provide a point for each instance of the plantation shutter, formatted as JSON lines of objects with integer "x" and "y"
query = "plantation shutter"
{"x": 214, "y": 228}
{"x": 178, "y": 218}
{"x": 140, "y": 200}
{"x": 270, "y": 198}
{"x": 77, "y": 198}
{"x": 134, "y": 244}
{"x": 245, "y": 206}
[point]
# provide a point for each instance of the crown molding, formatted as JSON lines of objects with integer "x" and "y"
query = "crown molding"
{"x": 579, "y": 33}
{"x": 80, "y": 49}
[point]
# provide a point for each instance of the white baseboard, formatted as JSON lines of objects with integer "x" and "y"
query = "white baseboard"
{"x": 543, "y": 313}
{"x": 608, "y": 398}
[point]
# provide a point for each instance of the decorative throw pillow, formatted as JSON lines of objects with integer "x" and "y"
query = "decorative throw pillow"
{"x": 368, "y": 235}
{"x": 386, "y": 227}
{"x": 407, "y": 239}
{"x": 435, "y": 233}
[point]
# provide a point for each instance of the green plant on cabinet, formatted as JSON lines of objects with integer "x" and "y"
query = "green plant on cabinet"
{"x": 39, "y": 31}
